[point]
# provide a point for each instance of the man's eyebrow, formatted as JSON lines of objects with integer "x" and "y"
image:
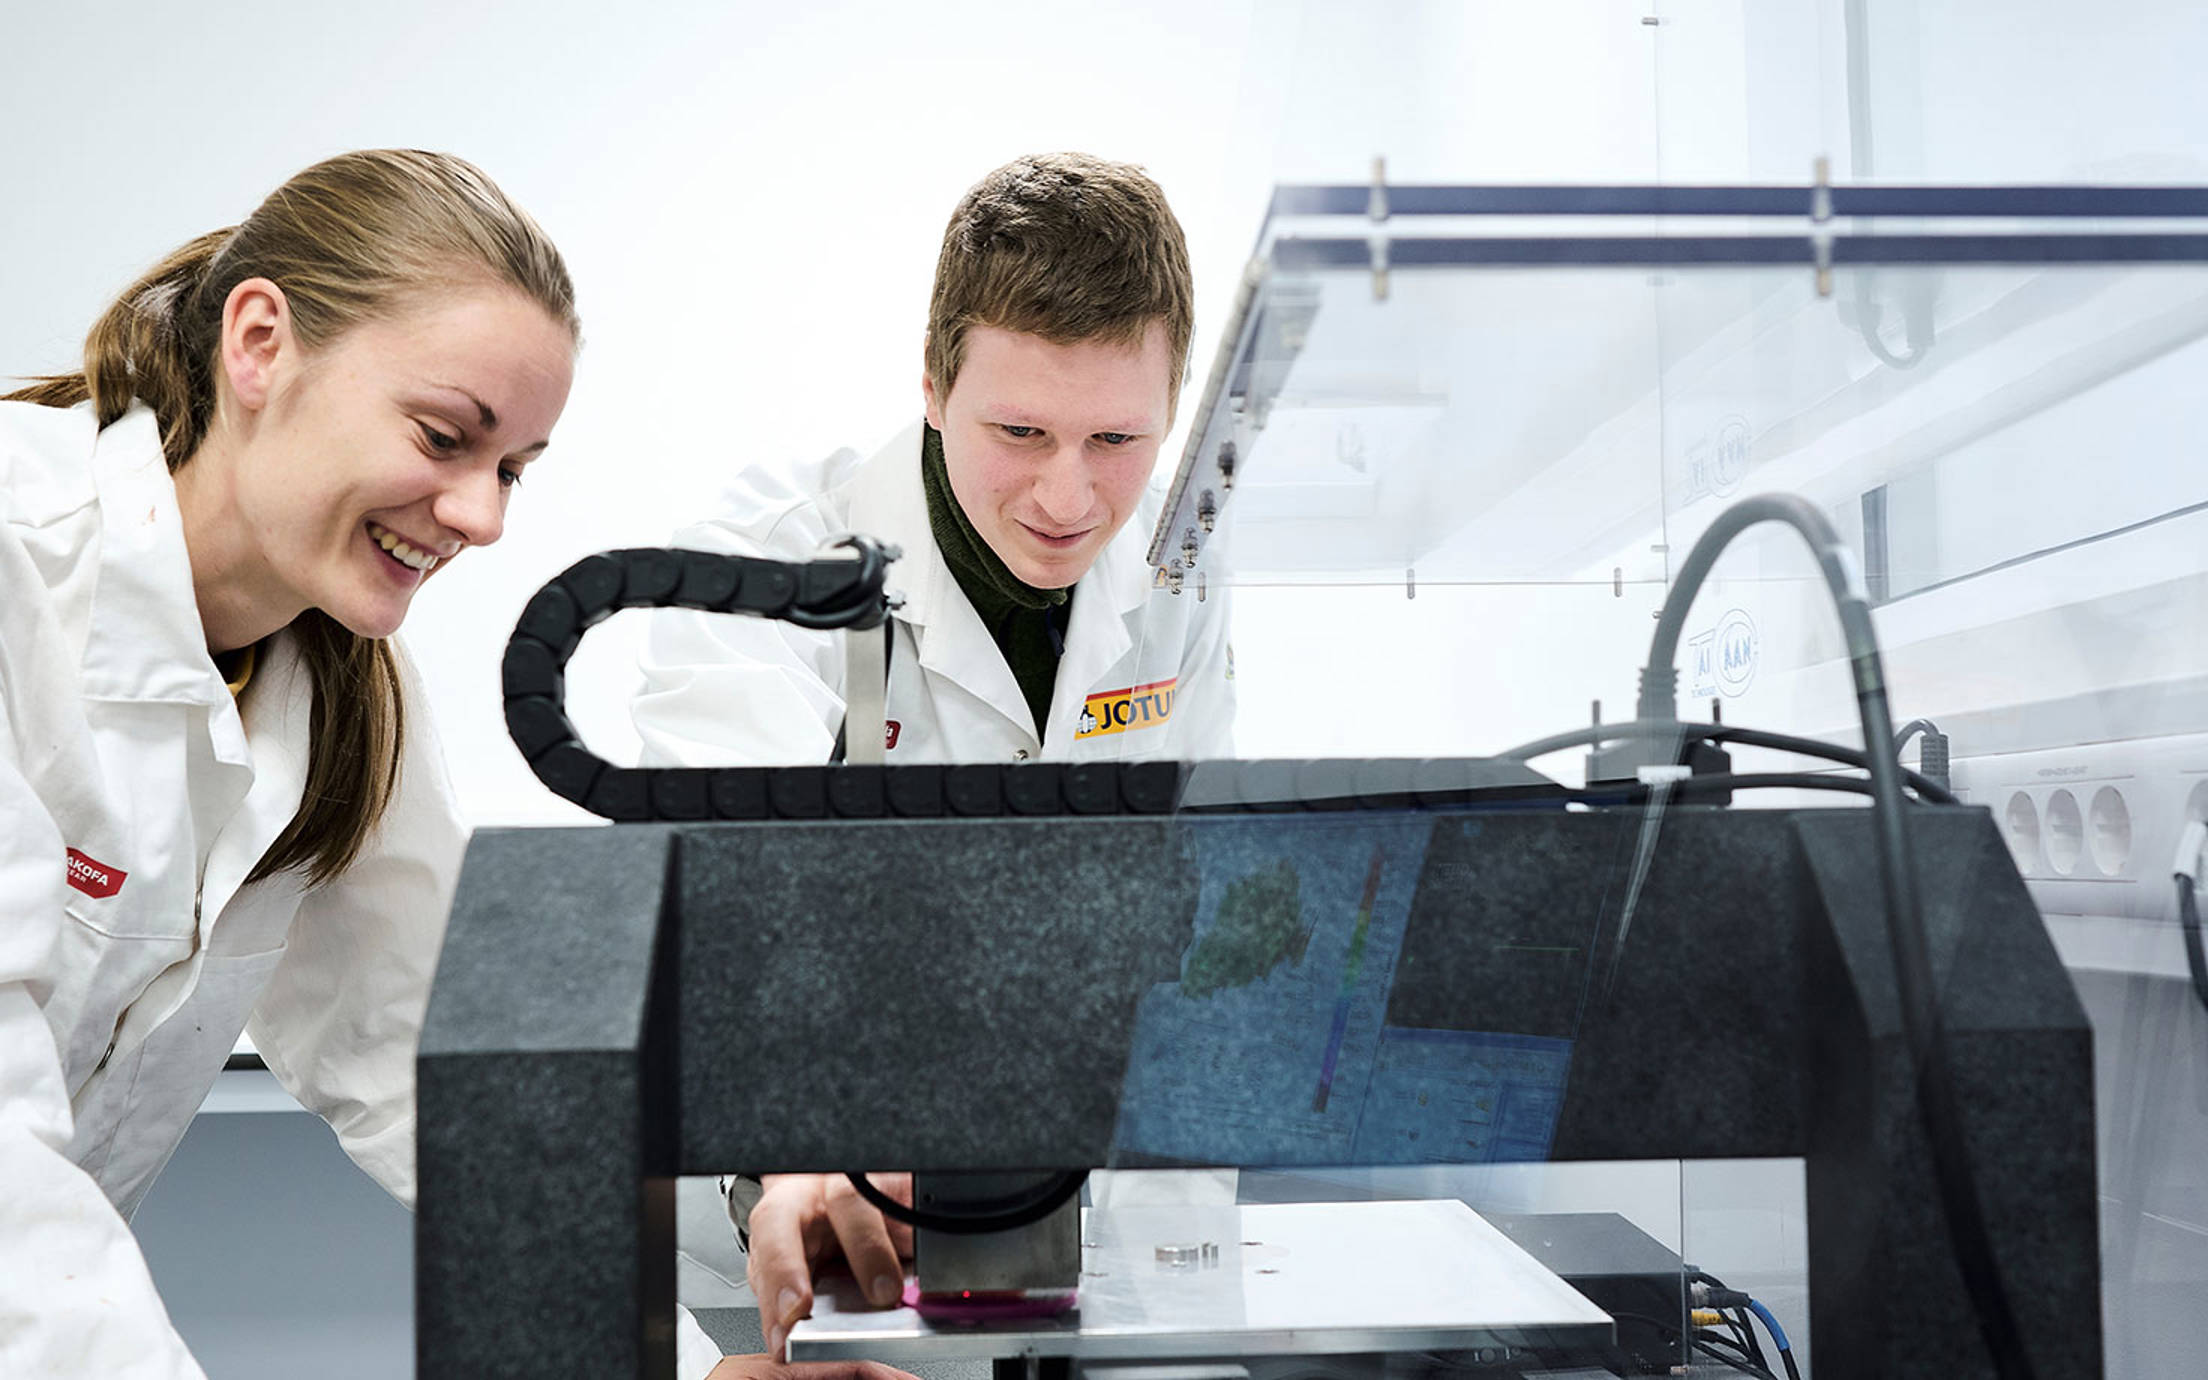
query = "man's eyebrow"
{"x": 1012, "y": 416}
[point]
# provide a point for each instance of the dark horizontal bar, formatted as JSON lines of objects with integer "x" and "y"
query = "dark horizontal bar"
{"x": 1626, "y": 200}
{"x": 1615, "y": 251}
{"x": 1534, "y": 200}
{"x": 2019, "y": 249}
{"x": 1290, "y": 255}
{"x": 2025, "y": 202}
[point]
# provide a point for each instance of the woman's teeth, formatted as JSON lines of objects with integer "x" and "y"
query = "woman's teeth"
{"x": 401, "y": 551}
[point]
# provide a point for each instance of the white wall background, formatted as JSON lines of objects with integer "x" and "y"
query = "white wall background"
{"x": 751, "y": 196}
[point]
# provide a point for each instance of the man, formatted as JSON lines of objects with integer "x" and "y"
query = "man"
{"x": 1058, "y": 334}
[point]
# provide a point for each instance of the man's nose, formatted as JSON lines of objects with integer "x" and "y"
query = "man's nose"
{"x": 1064, "y": 488}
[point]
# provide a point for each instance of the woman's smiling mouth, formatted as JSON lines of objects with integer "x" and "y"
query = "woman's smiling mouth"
{"x": 400, "y": 549}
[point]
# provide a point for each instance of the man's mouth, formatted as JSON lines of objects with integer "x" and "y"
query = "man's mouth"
{"x": 400, "y": 549}
{"x": 1058, "y": 540}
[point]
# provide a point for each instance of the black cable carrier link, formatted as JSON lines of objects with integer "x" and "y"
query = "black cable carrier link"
{"x": 834, "y": 592}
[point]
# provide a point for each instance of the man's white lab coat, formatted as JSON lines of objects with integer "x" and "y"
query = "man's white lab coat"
{"x": 1145, "y": 674}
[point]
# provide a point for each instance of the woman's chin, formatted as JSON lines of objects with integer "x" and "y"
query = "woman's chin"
{"x": 375, "y": 621}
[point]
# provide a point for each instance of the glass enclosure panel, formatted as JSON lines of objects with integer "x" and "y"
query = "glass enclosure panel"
{"x": 1459, "y": 494}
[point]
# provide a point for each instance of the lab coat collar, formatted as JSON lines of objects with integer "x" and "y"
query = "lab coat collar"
{"x": 145, "y": 642}
{"x": 278, "y": 725}
{"x": 890, "y": 502}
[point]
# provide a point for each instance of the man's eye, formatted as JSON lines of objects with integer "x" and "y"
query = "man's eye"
{"x": 1114, "y": 438}
{"x": 438, "y": 440}
{"x": 1021, "y": 433}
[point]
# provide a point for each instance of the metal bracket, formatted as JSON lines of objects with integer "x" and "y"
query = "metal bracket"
{"x": 1376, "y": 210}
{"x": 1820, "y": 219}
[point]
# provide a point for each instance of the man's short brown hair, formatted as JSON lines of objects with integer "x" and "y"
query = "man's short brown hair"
{"x": 1064, "y": 246}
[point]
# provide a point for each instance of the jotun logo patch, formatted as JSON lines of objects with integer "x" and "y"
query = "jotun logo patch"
{"x": 1116, "y": 711}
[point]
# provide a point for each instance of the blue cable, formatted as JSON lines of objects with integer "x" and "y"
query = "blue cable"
{"x": 1778, "y": 1333}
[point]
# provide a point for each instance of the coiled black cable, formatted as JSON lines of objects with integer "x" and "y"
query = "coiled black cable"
{"x": 1925, "y": 787}
{"x": 1922, "y": 1021}
{"x": 2188, "y": 919}
{"x": 1002, "y": 1214}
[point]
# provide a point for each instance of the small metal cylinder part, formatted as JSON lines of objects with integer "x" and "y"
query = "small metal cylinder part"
{"x": 1180, "y": 1257}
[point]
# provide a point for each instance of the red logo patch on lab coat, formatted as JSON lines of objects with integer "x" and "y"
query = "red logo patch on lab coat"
{"x": 894, "y": 728}
{"x": 94, "y": 878}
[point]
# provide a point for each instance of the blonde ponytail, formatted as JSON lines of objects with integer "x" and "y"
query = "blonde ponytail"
{"x": 155, "y": 345}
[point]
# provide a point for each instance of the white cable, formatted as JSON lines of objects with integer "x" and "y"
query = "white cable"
{"x": 2189, "y": 846}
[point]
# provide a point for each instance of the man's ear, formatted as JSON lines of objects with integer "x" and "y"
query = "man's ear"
{"x": 258, "y": 343}
{"x": 931, "y": 404}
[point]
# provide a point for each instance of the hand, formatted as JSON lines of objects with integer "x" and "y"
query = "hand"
{"x": 804, "y": 1223}
{"x": 767, "y": 1368}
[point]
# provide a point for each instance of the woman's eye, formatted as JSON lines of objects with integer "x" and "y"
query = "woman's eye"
{"x": 438, "y": 440}
{"x": 508, "y": 478}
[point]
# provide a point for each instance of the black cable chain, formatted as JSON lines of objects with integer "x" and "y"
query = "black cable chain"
{"x": 829, "y": 593}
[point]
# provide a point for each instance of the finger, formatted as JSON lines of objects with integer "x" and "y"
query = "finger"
{"x": 777, "y": 1267}
{"x": 864, "y": 1235}
{"x": 844, "y": 1370}
{"x": 899, "y": 1188}
{"x": 766, "y": 1368}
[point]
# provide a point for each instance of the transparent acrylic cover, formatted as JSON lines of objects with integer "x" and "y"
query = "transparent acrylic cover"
{"x": 1448, "y": 467}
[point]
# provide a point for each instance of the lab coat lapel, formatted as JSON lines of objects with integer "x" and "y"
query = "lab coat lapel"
{"x": 280, "y": 705}
{"x": 890, "y": 503}
{"x": 282, "y": 702}
{"x": 1097, "y": 637}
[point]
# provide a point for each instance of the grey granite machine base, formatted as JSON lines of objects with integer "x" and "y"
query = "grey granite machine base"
{"x": 618, "y": 1006}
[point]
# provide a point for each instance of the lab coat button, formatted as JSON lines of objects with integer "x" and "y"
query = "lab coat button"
{"x": 1019, "y": 754}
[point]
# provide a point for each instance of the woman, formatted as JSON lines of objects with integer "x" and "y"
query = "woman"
{"x": 220, "y": 808}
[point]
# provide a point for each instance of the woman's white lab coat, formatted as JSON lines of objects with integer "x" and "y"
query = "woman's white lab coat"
{"x": 135, "y": 796}
{"x": 1146, "y": 673}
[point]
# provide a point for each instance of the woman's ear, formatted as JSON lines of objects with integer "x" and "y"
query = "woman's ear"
{"x": 257, "y": 341}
